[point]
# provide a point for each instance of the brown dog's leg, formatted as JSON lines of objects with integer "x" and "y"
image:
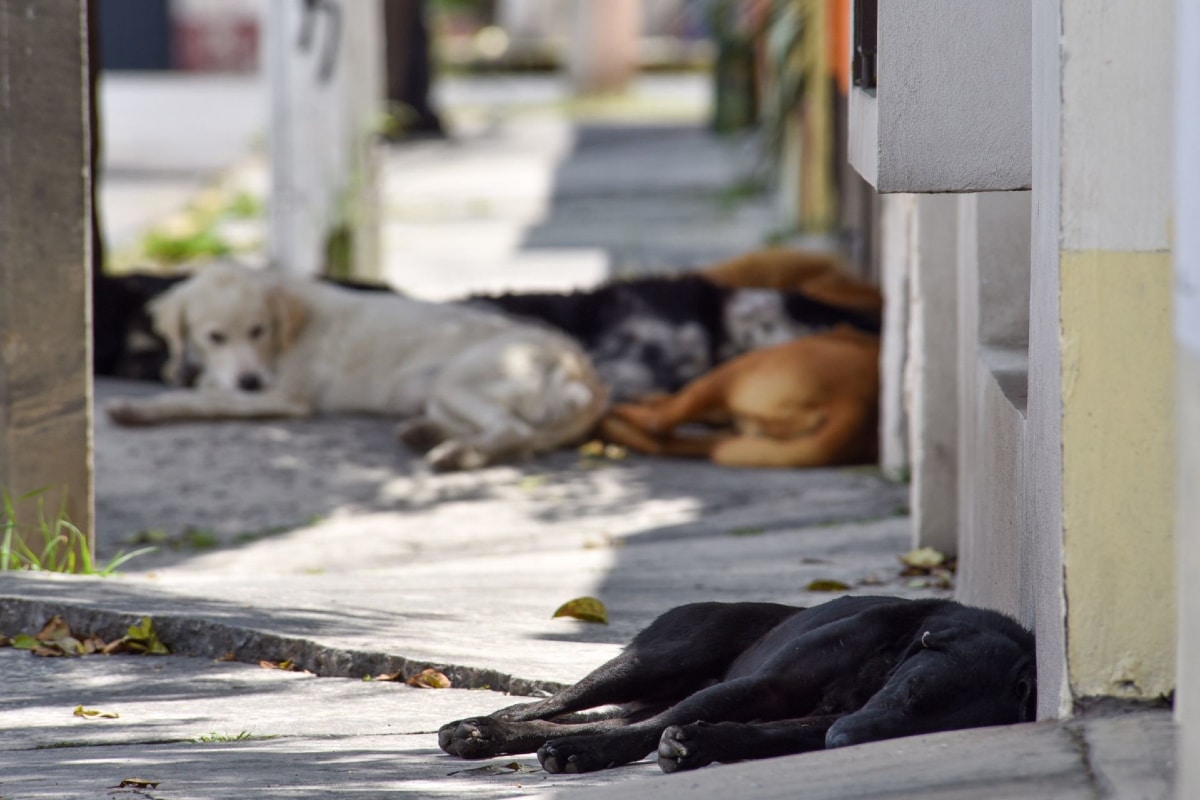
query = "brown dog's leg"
{"x": 839, "y": 441}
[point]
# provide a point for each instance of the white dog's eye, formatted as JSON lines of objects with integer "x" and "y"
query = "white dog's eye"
{"x": 257, "y": 331}
{"x": 216, "y": 337}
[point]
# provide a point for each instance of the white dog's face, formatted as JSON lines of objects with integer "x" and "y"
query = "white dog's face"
{"x": 232, "y": 323}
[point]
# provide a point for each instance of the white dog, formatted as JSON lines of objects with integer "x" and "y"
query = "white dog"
{"x": 477, "y": 385}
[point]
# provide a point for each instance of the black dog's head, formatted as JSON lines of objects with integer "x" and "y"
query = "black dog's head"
{"x": 960, "y": 675}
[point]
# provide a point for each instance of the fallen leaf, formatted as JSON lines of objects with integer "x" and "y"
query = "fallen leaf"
{"x": 91, "y": 713}
{"x": 5, "y": 641}
{"x": 395, "y": 677}
{"x": 228, "y": 655}
{"x": 923, "y": 558}
{"x": 510, "y": 768}
{"x": 287, "y": 665}
{"x": 142, "y": 638}
{"x": 530, "y": 482}
{"x": 588, "y": 609}
{"x": 55, "y": 628}
{"x": 429, "y": 679}
{"x": 826, "y": 585}
{"x": 592, "y": 449}
{"x": 136, "y": 783}
{"x": 24, "y": 642}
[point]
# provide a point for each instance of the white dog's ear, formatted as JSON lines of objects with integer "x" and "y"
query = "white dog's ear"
{"x": 289, "y": 314}
{"x": 167, "y": 314}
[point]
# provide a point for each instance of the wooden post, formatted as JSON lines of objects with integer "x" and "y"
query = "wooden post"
{"x": 45, "y": 253}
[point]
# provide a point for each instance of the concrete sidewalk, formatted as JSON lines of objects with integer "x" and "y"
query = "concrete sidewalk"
{"x": 325, "y": 543}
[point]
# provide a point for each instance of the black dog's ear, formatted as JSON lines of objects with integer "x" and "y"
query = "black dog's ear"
{"x": 942, "y": 638}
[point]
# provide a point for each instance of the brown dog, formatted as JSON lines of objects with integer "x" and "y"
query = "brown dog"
{"x": 806, "y": 403}
{"x": 821, "y": 276}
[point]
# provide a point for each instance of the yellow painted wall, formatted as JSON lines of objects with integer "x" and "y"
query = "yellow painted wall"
{"x": 1118, "y": 440}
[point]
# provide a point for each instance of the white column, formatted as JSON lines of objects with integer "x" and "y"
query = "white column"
{"x": 324, "y": 61}
{"x": 931, "y": 374}
{"x": 603, "y": 56}
{"x": 1187, "y": 331}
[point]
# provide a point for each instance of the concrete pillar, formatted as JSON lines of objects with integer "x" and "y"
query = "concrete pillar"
{"x": 1099, "y": 466}
{"x": 931, "y": 373}
{"x": 897, "y": 220}
{"x": 995, "y": 543}
{"x": 45, "y": 304}
{"x": 603, "y": 56}
{"x": 325, "y": 64}
{"x": 1187, "y": 333}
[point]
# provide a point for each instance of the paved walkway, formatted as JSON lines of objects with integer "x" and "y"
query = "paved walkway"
{"x": 325, "y": 543}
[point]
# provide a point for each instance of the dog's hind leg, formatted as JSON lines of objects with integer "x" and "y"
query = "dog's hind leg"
{"x": 699, "y": 744}
{"x": 846, "y": 437}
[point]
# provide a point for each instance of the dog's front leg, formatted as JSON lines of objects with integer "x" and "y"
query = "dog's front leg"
{"x": 202, "y": 404}
{"x": 684, "y": 747}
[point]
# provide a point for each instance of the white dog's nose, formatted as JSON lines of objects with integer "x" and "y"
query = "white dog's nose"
{"x": 249, "y": 382}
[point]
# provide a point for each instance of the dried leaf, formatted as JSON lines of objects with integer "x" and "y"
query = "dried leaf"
{"x": 592, "y": 449}
{"x": 923, "y": 558}
{"x": 55, "y": 628}
{"x": 531, "y": 482}
{"x": 91, "y": 713}
{"x": 395, "y": 677}
{"x": 5, "y": 641}
{"x": 136, "y": 783}
{"x": 287, "y": 665}
{"x": 826, "y": 585}
{"x": 588, "y": 609}
{"x": 495, "y": 769}
{"x": 429, "y": 679}
{"x": 229, "y": 655}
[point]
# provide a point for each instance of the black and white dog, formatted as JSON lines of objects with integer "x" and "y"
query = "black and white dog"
{"x": 731, "y": 681}
{"x": 655, "y": 334}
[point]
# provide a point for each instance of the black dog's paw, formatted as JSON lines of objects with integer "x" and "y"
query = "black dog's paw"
{"x": 576, "y": 754}
{"x": 560, "y": 756}
{"x": 682, "y": 748}
{"x": 472, "y": 738}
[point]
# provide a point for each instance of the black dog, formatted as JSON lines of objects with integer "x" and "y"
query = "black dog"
{"x": 124, "y": 342}
{"x": 730, "y": 681}
{"x": 655, "y": 334}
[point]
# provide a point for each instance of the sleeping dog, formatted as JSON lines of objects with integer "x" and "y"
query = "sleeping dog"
{"x": 810, "y": 402}
{"x": 476, "y": 387}
{"x": 731, "y": 681}
{"x": 652, "y": 335}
